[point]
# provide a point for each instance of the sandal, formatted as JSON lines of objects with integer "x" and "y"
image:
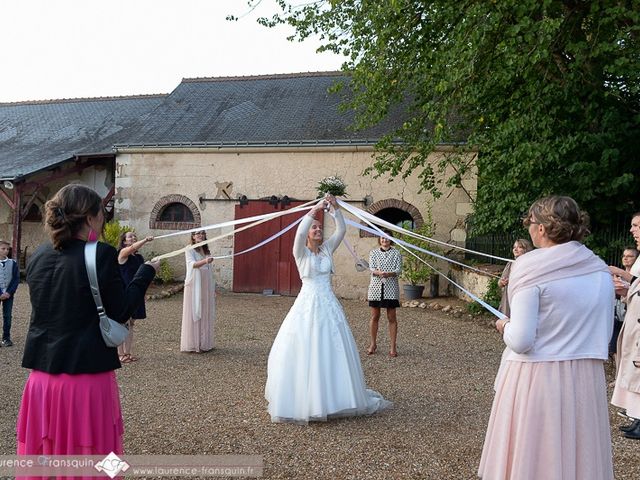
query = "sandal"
{"x": 393, "y": 354}
{"x": 372, "y": 350}
{"x": 126, "y": 358}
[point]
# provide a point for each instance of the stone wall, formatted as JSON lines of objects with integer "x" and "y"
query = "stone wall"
{"x": 475, "y": 282}
{"x": 146, "y": 179}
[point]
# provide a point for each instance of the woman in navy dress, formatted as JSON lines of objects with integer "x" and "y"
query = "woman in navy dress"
{"x": 130, "y": 260}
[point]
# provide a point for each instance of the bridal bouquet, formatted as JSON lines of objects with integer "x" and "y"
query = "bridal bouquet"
{"x": 333, "y": 185}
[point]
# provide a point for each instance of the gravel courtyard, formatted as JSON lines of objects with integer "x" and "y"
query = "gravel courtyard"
{"x": 176, "y": 403}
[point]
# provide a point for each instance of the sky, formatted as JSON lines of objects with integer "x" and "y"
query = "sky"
{"x": 54, "y": 49}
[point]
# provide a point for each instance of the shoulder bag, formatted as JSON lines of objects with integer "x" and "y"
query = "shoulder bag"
{"x": 113, "y": 333}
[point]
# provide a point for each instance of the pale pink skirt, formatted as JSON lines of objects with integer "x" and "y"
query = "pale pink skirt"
{"x": 62, "y": 414}
{"x": 199, "y": 335}
{"x": 549, "y": 420}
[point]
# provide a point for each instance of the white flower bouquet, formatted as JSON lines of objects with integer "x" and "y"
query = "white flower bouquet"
{"x": 333, "y": 185}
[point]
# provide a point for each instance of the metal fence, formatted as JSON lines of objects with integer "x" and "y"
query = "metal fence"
{"x": 492, "y": 244}
{"x": 608, "y": 243}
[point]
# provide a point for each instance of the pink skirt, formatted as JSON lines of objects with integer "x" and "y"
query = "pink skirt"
{"x": 199, "y": 335}
{"x": 62, "y": 414}
{"x": 549, "y": 420}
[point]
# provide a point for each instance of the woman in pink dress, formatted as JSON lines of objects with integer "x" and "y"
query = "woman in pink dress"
{"x": 71, "y": 404}
{"x": 549, "y": 417}
{"x": 199, "y": 304}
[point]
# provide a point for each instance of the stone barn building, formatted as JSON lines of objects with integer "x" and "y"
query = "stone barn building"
{"x": 217, "y": 149}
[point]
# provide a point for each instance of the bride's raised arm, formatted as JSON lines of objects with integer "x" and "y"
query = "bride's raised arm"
{"x": 334, "y": 241}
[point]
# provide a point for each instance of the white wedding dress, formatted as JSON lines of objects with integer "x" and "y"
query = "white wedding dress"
{"x": 314, "y": 370}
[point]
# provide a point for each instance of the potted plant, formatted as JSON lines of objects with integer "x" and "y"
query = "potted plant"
{"x": 416, "y": 275}
{"x": 415, "y": 272}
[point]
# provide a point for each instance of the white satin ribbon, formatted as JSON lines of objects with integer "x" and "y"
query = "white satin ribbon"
{"x": 423, "y": 250}
{"x": 395, "y": 228}
{"x": 260, "y": 219}
{"x": 231, "y": 223}
{"x": 361, "y": 264}
{"x": 356, "y": 213}
{"x": 264, "y": 242}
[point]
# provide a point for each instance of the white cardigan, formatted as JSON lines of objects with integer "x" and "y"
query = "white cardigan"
{"x": 565, "y": 319}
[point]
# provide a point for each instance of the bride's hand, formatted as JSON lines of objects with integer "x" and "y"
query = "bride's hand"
{"x": 317, "y": 207}
{"x": 332, "y": 201}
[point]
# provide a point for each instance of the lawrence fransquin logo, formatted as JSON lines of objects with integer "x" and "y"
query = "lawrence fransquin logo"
{"x": 112, "y": 465}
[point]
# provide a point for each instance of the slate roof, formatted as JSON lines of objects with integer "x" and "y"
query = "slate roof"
{"x": 37, "y": 135}
{"x": 291, "y": 109}
{"x": 270, "y": 110}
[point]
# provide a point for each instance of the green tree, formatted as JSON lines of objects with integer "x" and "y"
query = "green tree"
{"x": 546, "y": 91}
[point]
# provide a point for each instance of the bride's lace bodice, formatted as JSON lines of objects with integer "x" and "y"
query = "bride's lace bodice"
{"x": 316, "y": 266}
{"x": 320, "y": 264}
{"x": 318, "y": 271}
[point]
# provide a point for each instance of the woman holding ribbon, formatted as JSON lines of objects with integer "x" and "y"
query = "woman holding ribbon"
{"x": 385, "y": 263}
{"x": 549, "y": 417}
{"x": 70, "y": 404}
{"x": 520, "y": 247}
{"x": 130, "y": 260}
{"x": 199, "y": 300}
{"x": 314, "y": 371}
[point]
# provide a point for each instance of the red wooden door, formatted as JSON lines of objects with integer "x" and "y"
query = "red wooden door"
{"x": 271, "y": 266}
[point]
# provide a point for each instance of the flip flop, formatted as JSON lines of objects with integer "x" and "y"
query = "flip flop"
{"x": 126, "y": 358}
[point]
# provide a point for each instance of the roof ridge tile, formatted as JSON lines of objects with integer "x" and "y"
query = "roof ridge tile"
{"x": 271, "y": 76}
{"x": 83, "y": 99}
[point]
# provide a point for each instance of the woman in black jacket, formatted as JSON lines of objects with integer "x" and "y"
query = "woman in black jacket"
{"x": 70, "y": 404}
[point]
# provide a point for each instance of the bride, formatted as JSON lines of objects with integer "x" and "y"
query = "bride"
{"x": 314, "y": 370}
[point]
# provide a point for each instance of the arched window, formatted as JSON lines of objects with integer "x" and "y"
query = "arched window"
{"x": 34, "y": 214}
{"x": 397, "y": 212}
{"x": 397, "y": 216}
{"x": 174, "y": 212}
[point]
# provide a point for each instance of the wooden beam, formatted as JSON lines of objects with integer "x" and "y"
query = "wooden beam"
{"x": 17, "y": 221}
{"x": 20, "y": 188}
{"x": 27, "y": 206}
{"x": 7, "y": 199}
{"x": 63, "y": 172}
{"x": 109, "y": 195}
